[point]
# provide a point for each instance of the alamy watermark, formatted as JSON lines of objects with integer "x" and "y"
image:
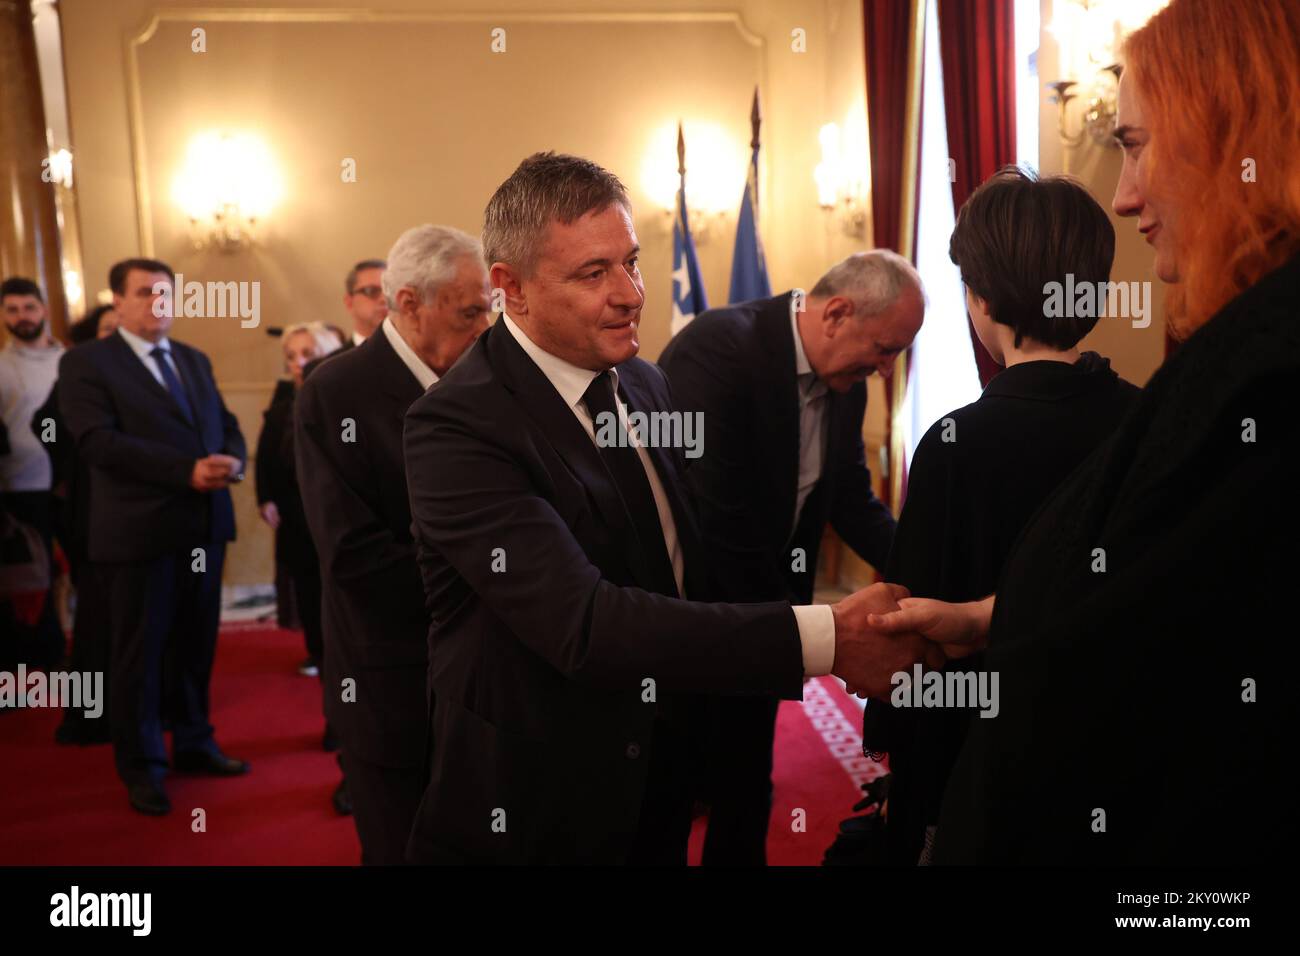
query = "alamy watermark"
{"x": 210, "y": 300}
{"x": 1098, "y": 300}
{"x": 73, "y": 690}
{"x": 75, "y": 908}
{"x": 653, "y": 430}
{"x": 946, "y": 689}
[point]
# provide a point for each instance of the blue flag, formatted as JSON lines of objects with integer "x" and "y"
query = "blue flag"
{"x": 748, "y": 266}
{"x": 689, "y": 299}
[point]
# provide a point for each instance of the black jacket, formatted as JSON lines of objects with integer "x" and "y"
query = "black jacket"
{"x": 1157, "y": 691}
{"x": 539, "y": 660}
{"x": 276, "y": 476}
{"x": 978, "y": 475}
{"x": 737, "y": 366}
{"x": 141, "y": 450}
{"x": 354, "y": 497}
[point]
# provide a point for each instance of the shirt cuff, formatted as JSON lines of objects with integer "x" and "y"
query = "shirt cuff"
{"x": 816, "y": 626}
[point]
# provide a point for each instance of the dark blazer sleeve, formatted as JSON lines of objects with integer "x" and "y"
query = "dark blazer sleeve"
{"x": 921, "y": 552}
{"x": 473, "y": 491}
{"x": 860, "y": 518}
{"x": 275, "y": 420}
{"x": 356, "y": 547}
{"x": 708, "y": 374}
{"x": 87, "y": 406}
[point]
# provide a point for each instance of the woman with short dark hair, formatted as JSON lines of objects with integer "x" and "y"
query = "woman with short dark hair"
{"x": 1143, "y": 629}
{"x": 981, "y": 471}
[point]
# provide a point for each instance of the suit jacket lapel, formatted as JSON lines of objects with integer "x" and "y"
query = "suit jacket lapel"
{"x": 778, "y": 402}
{"x": 134, "y": 368}
{"x": 193, "y": 381}
{"x": 668, "y": 467}
{"x": 395, "y": 379}
{"x": 542, "y": 403}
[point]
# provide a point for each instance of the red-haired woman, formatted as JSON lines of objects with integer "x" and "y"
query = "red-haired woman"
{"x": 1144, "y": 628}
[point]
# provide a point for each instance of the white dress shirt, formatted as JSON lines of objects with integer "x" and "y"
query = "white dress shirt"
{"x": 142, "y": 348}
{"x": 358, "y": 338}
{"x": 423, "y": 374}
{"x": 816, "y": 623}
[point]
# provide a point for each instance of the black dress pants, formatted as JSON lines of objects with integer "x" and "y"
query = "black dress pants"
{"x": 384, "y": 801}
{"x": 736, "y": 776}
{"x": 163, "y": 619}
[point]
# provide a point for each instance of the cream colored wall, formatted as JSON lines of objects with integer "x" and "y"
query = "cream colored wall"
{"x": 435, "y": 121}
{"x": 1134, "y": 352}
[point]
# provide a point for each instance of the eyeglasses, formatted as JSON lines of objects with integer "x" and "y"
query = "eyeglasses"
{"x": 370, "y": 292}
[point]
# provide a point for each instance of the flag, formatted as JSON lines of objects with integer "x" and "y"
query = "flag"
{"x": 689, "y": 299}
{"x": 748, "y": 266}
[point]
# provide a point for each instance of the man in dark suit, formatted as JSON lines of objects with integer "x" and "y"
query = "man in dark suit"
{"x": 348, "y": 441}
{"x": 556, "y": 551}
{"x": 364, "y": 300}
{"x": 162, "y": 451}
{"x": 780, "y": 385}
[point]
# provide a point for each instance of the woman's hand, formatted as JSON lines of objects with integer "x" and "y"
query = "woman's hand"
{"x": 958, "y": 629}
{"x": 270, "y": 514}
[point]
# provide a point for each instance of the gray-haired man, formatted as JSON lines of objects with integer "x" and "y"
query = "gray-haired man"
{"x": 348, "y": 444}
{"x": 780, "y": 385}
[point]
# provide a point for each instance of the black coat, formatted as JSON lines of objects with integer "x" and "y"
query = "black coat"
{"x": 538, "y": 666}
{"x": 736, "y": 365}
{"x": 276, "y": 476}
{"x": 141, "y": 450}
{"x": 354, "y": 498}
{"x": 1123, "y": 690}
{"x": 977, "y": 477}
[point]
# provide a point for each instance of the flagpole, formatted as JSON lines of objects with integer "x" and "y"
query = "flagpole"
{"x": 907, "y": 239}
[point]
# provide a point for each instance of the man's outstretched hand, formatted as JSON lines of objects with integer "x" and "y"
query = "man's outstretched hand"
{"x": 865, "y": 658}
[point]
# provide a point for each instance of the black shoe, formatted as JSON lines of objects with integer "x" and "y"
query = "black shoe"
{"x": 329, "y": 741}
{"x": 342, "y": 799}
{"x": 149, "y": 799}
{"x": 80, "y": 734}
{"x": 215, "y": 764}
{"x": 309, "y": 668}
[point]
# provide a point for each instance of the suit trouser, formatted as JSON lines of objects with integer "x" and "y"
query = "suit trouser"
{"x": 737, "y": 779}
{"x": 384, "y": 801}
{"x": 163, "y": 623}
{"x": 91, "y": 637}
{"x": 665, "y": 825}
{"x": 41, "y": 644}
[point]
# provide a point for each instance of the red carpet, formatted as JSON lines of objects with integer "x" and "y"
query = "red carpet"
{"x": 65, "y": 805}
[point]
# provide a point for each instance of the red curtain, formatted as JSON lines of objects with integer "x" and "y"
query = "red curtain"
{"x": 888, "y": 34}
{"x": 887, "y": 28}
{"x": 977, "y": 50}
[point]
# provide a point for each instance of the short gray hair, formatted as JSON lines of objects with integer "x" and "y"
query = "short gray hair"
{"x": 545, "y": 188}
{"x": 424, "y": 258}
{"x": 873, "y": 280}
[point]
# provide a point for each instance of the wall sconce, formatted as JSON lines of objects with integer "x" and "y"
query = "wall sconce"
{"x": 840, "y": 188}
{"x": 227, "y": 186}
{"x": 58, "y": 169}
{"x": 1089, "y": 34}
{"x": 716, "y": 163}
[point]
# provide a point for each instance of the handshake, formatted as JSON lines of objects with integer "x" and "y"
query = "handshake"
{"x": 881, "y": 630}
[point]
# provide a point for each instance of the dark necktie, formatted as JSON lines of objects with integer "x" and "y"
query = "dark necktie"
{"x": 633, "y": 485}
{"x": 159, "y": 355}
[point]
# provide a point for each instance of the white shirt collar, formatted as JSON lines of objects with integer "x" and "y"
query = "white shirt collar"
{"x": 801, "y": 364}
{"x": 142, "y": 347}
{"x": 568, "y": 379}
{"x": 423, "y": 374}
{"x": 357, "y": 338}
